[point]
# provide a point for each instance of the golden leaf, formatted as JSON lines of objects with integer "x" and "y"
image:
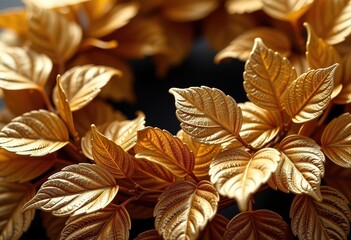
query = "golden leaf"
{"x": 238, "y": 174}
{"x": 267, "y": 77}
{"x": 336, "y": 140}
{"x": 203, "y": 153}
{"x": 163, "y": 148}
{"x": 207, "y": 114}
{"x": 215, "y": 228}
{"x": 35, "y": 133}
{"x": 14, "y": 19}
{"x": 124, "y": 133}
{"x": 301, "y": 167}
{"x": 23, "y": 69}
{"x": 242, "y": 45}
{"x": 328, "y": 219}
{"x": 110, "y": 155}
{"x": 334, "y": 26}
{"x": 53, "y": 225}
{"x": 259, "y": 224}
{"x": 12, "y": 221}
{"x": 184, "y": 209}
{"x": 111, "y": 222}
{"x": 286, "y": 9}
{"x": 56, "y": 4}
{"x": 310, "y": 94}
{"x": 17, "y": 168}
{"x": 52, "y": 34}
{"x": 76, "y": 189}
{"x": 83, "y": 83}
{"x": 338, "y": 178}
{"x": 149, "y": 235}
{"x": 97, "y": 9}
{"x": 243, "y": 6}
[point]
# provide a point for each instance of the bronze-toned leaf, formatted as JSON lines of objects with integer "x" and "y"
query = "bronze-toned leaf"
{"x": 23, "y": 69}
{"x": 83, "y": 83}
{"x": 110, "y": 156}
{"x": 53, "y": 225}
{"x": 310, "y": 94}
{"x": 111, "y": 222}
{"x": 12, "y": 221}
{"x": 14, "y": 19}
{"x": 163, "y": 148}
{"x": 238, "y": 174}
{"x": 52, "y": 34}
{"x": 259, "y": 224}
{"x": 207, "y": 114}
{"x": 338, "y": 178}
{"x": 301, "y": 167}
{"x": 267, "y": 77}
{"x": 243, "y": 6}
{"x": 329, "y": 219}
{"x": 76, "y": 189}
{"x": 184, "y": 209}
{"x": 17, "y": 168}
{"x": 35, "y": 133}
{"x": 336, "y": 140}
{"x": 286, "y": 9}
{"x": 149, "y": 235}
{"x": 215, "y": 228}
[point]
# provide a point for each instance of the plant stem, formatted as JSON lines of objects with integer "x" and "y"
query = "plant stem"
{"x": 245, "y": 144}
{"x": 46, "y": 99}
{"x": 192, "y": 175}
{"x": 325, "y": 114}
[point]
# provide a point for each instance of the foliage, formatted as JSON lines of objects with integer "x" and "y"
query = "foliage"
{"x": 66, "y": 151}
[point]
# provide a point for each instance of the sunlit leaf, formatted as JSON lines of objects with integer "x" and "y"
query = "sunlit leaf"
{"x": 243, "y": 6}
{"x": 53, "y": 225}
{"x": 215, "y": 228}
{"x": 259, "y": 224}
{"x": 336, "y": 142}
{"x": 301, "y": 167}
{"x": 286, "y": 9}
{"x": 163, "y": 148}
{"x": 329, "y": 219}
{"x": 111, "y": 156}
{"x": 184, "y": 209}
{"x": 52, "y": 34}
{"x": 338, "y": 178}
{"x": 207, "y": 114}
{"x": 267, "y": 77}
{"x": 12, "y": 221}
{"x": 238, "y": 174}
{"x": 76, "y": 189}
{"x": 23, "y": 69}
{"x": 14, "y": 19}
{"x": 35, "y": 133}
{"x": 56, "y": 4}
{"x": 149, "y": 235}
{"x": 111, "y": 222}
{"x": 242, "y": 45}
{"x": 310, "y": 94}
{"x": 334, "y": 26}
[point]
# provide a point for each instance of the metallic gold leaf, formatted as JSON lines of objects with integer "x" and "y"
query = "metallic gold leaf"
{"x": 329, "y": 219}
{"x": 14, "y": 19}
{"x": 83, "y": 83}
{"x": 184, "y": 209}
{"x": 338, "y": 178}
{"x": 238, "y": 174}
{"x": 259, "y": 224}
{"x": 334, "y": 26}
{"x": 149, "y": 235}
{"x": 310, "y": 94}
{"x": 35, "y": 133}
{"x": 111, "y": 156}
{"x": 243, "y": 6}
{"x": 52, "y": 34}
{"x": 301, "y": 167}
{"x": 286, "y": 9}
{"x": 76, "y": 189}
{"x": 203, "y": 153}
{"x": 163, "y": 148}
{"x": 336, "y": 140}
{"x": 53, "y": 225}
{"x": 111, "y": 222}
{"x": 23, "y": 69}
{"x": 215, "y": 228}
{"x": 12, "y": 221}
{"x": 242, "y": 45}
{"x": 207, "y": 114}
{"x": 267, "y": 77}
{"x": 17, "y": 168}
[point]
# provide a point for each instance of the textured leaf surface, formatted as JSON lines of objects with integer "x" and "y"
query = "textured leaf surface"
{"x": 329, "y": 219}
{"x": 163, "y": 148}
{"x": 215, "y": 228}
{"x": 35, "y": 133}
{"x": 207, "y": 114}
{"x": 336, "y": 140}
{"x": 286, "y": 9}
{"x": 12, "y": 221}
{"x": 301, "y": 167}
{"x": 310, "y": 94}
{"x": 259, "y": 224}
{"x": 111, "y": 222}
{"x": 110, "y": 156}
{"x": 76, "y": 189}
{"x": 238, "y": 174}
{"x": 184, "y": 209}
{"x": 243, "y": 6}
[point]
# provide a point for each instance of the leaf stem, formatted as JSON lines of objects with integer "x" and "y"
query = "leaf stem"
{"x": 325, "y": 114}
{"x": 245, "y": 144}
{"x": 192, "y": 175}
{"x": 129, "y": 200}
{"x": 46, "y": 99}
